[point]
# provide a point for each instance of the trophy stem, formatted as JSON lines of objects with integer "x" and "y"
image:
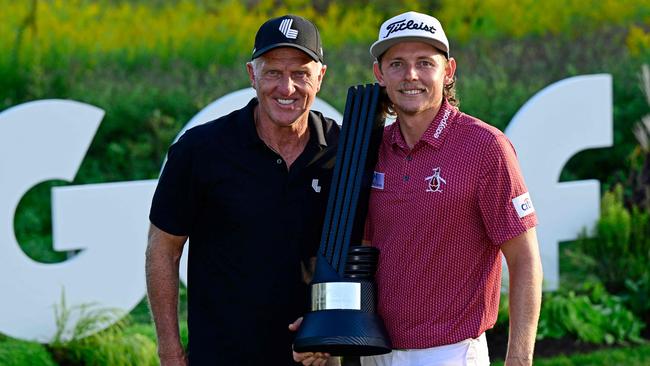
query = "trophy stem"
{"x": 342, "y": 320}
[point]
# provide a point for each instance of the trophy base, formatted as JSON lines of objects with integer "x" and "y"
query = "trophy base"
{"x": 342, "y": 333}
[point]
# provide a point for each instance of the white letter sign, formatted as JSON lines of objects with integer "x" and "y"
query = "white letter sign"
{"x": 565, "y": 118}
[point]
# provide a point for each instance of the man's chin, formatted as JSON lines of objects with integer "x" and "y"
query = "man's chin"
{"x": 288, "y": 118}
{"x": 410, "y": 110}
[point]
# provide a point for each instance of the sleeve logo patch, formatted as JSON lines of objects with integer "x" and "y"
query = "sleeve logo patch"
{"x": 523, "y": 205}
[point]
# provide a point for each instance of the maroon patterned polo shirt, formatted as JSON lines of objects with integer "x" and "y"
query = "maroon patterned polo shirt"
{"x": 438, "y": 213}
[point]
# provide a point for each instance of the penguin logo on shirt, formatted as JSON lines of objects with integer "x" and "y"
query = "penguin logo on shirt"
{"x": 435, "y": 181}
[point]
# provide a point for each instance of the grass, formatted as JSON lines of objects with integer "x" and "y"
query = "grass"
{"x": 20, "y": 353}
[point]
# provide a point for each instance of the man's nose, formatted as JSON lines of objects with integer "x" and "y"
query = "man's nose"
{"x": 286, "y": 85}
{"x": 410, "y": 72}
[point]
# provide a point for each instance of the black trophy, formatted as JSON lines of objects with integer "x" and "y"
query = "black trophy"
{"x": 342, "y": 320}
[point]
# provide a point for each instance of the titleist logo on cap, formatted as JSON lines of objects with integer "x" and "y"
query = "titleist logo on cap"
{"x": 401, "y": 25}
{"x": 410, "y": 26}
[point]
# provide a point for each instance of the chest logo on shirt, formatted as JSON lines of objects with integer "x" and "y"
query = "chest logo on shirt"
{"x": 435, "y": 181}
{"x": 315, "y": 186}
{"x": 378, "y": 180}
{"x": 442, "y": 124}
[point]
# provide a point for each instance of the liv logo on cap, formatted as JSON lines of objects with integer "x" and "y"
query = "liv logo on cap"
{"x": 410, "y": 26}
{"x": 288, "y": 31}
{"x": 285, "y": 28}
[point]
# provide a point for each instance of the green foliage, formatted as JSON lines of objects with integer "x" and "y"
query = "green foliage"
{"x": 501, "y": 18}
{"x": 503, "y": 318}
{"x": 612, "y": 241}
{"x": 108, "y": 348}
{"x": 590, "y": 315}
{"x": 21, "y": 353}
{"x": 597, "y": 317}
{"x": 637, "y": 296}
{"x": 80, "y": 321}
{"x": 80, "y": 340}
{"x": 620, "y": 251}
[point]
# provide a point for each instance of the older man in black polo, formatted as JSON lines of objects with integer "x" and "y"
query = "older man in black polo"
{"x": 249, "y": 191}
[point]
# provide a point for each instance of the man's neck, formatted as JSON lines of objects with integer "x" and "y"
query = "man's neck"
{"x": 413, "y": 126}
{"x": 287, "y": 141}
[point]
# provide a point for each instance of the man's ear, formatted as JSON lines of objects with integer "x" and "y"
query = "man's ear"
{"x": 378, "y": 74}
{"x": 321, "y": 76}
{"x": 450, "y": 70}
{"x": 251, "y": 73}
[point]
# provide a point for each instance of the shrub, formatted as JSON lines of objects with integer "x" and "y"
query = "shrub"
{"x": 590, "y": 315}
{"x": 596, "y": 317}
{"x": 637, "y": 297}
{"x": 20, "y": 353}
{"x": 108, "y": 348}
{"x": 619, "y": 252}
{"x": 79, "y": 341}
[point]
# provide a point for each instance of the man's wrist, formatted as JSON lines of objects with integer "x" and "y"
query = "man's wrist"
{"x": 519, "y": 360}
{"x": 171, "y": 354}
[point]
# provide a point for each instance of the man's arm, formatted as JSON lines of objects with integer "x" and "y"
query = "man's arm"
{"x": 525, "y": 296}
{"x": 163, "y": 257}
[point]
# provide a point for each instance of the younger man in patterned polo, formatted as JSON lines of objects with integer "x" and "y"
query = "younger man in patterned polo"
{"x": 448, "y": 199}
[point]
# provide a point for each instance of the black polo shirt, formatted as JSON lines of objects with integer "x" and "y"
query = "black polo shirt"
{"x": 250, "y": 223}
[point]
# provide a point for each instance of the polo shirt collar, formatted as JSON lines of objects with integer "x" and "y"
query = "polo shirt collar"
{"x": 249, "y": 132}
{"x": 316, "y": 132}
{"x": 246, "y": 124}
{"x": 434, "y": 134}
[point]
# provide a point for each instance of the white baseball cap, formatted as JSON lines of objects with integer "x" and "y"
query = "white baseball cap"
{"x": 410, "y": 26}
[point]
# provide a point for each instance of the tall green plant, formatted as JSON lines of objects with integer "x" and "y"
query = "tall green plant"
{"x": 613, "y": 232}
{"x": 639, "y": 180}
{"x": 621, "y": 243}
{"x": 80, "y": 321}
{"x": 78, "y": 340}
{"x": 619, "y": 252}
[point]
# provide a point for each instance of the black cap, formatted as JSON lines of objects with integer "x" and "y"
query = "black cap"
{"x": 289, "y": 31}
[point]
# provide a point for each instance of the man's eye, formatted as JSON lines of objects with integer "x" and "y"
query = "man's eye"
{"x": 395, "y": 64}
{"x": 272, "y": 74}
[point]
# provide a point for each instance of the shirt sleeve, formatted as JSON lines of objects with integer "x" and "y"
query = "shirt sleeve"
{"x": 502, "y": 192}
{"x": 171, "y": 208}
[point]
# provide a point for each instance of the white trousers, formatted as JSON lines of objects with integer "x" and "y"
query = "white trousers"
{"x": 470, "y": 352}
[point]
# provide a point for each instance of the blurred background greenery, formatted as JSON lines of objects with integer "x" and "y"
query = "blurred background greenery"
{"x": 152, "y": 65}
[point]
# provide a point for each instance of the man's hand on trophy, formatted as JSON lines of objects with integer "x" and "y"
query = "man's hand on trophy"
{"x": 312, "y": 358}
